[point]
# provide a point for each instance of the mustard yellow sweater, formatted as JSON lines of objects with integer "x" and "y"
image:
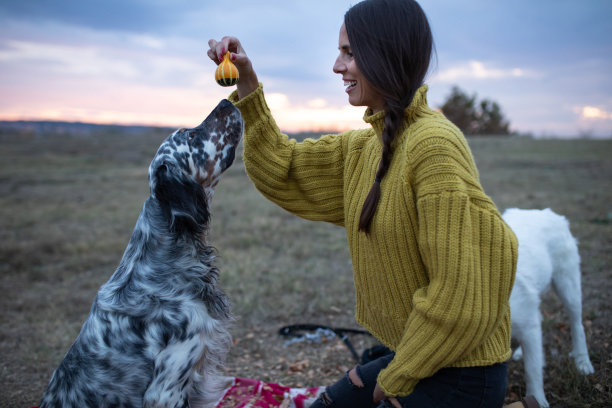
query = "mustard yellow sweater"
{"x": 433, "y": 277}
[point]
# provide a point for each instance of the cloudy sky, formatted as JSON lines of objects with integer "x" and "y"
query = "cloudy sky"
{"x": 548, "y": 63}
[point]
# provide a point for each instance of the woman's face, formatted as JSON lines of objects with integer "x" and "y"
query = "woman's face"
{"x": 359, "y": 90}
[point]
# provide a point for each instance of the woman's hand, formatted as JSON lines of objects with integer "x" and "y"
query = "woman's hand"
{"x": 248, "y": 79}
{"x": 379, "y": 395}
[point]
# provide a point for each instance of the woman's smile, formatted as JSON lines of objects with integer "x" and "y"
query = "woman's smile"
{"x": 360, "y": 91}
{"x": 350, "y": 85}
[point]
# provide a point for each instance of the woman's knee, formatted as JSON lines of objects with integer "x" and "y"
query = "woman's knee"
{"x": 355, "y": 389}
{"x": 354, "y": 378}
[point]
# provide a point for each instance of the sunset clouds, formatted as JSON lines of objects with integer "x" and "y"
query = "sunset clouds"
{"x": 546, "y": 63}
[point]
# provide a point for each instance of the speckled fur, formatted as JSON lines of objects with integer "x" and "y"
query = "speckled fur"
{"x": 157, "y": 332}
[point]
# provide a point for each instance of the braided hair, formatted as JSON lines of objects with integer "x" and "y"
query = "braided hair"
{"x": 392, "y": 45}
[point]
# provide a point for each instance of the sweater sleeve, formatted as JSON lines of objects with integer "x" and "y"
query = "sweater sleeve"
{"x": 468, "y": 256}
{"x": 304, "y": 178}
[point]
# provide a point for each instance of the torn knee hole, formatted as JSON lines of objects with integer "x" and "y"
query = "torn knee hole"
{"x": 325, "y": 399}
{"x": 353, "y": 376}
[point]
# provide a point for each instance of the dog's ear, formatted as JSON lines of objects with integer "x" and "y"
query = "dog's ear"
{"x": 182, "y": 200}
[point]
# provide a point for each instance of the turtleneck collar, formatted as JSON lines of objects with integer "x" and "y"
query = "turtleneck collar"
{"x": 417, "y": 107}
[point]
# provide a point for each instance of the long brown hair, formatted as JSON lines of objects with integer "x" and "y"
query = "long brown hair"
{"x": 392, "y": 45}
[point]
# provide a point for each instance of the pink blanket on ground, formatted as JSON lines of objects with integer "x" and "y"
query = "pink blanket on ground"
{"x": 250, "y": 393}
{"x": 247, "y": 392}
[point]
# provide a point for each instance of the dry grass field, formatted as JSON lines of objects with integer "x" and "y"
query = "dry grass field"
{"x": 69, "y": 201}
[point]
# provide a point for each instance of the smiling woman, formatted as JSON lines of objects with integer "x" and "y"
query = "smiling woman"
{"x": 360, "y": 90}
{"x": 430, "y": 284}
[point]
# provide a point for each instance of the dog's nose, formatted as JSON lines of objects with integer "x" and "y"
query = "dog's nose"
{"x": 224, "y": 104}
{"x": 223, "y": 109}
{"x": 224, "y": 119}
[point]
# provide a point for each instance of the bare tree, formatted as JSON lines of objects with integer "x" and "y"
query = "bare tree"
{"x": 484, "y": 118}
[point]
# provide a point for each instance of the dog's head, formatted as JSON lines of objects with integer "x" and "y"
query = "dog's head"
{"x": 189, "y": 164}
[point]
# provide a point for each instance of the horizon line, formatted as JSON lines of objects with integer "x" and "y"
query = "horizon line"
{"x": 146, "y": 125}
{"x": 321, "y": 131}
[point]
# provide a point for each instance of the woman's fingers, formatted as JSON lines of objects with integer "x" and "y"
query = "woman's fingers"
{"x": 216, "y": 51}
{"x": 211, "y": 51}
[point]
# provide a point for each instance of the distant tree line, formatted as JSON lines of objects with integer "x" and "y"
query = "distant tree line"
{"x": 472, "y": 117}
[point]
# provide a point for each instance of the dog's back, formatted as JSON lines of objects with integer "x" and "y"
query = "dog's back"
{"x": 548, "y": 252}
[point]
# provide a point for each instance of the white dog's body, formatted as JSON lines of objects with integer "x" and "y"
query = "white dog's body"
{"x": 548, "y": 254}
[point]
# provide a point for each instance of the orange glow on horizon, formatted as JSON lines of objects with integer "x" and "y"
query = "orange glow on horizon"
{"x": 138, "y": 107}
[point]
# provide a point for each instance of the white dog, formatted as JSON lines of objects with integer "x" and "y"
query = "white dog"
{"x": 548, "y": 253}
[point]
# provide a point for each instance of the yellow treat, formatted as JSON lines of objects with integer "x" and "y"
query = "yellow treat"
{"x": 226, "y": 73}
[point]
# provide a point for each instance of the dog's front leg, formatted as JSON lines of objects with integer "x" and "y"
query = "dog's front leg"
{"x": 169, "y": 387}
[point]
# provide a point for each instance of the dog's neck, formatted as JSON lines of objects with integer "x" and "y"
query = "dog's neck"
{"x": 162, "y": 263}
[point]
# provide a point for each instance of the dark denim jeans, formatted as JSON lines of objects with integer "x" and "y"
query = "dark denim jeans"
{"x": 469, "y": 387}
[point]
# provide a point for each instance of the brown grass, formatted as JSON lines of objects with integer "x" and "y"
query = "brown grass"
{"x": 68, "y": 203}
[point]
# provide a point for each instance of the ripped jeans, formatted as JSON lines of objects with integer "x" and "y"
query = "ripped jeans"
{"x": 449, "y": 387}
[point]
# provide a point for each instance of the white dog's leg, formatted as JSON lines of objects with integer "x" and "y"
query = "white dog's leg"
{"x": 534, "y": 364}
{"x": 529, "y": 334}
{"x": 568, "y": 289}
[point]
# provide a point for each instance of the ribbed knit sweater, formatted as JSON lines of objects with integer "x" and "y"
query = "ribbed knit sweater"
{"x": 433, "y": 277}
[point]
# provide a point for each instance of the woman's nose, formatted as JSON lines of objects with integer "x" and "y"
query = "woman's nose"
{"x": 339, "y": 67}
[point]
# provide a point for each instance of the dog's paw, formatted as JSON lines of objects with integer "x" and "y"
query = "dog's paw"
{"x": 518, "y": 354}
{"x": 543, "y": 403}
{"x": 583, "y": 363}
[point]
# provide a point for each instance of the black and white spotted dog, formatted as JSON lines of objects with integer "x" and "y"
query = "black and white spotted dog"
{"x": 157, "y": 332}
